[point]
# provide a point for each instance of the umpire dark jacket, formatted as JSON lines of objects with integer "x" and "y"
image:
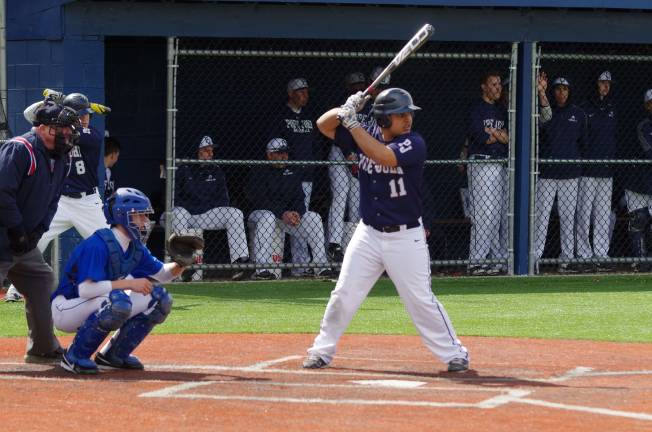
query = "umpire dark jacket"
{"x": 28, "y": 197}
{"x": 200, "y": 188}
{"x": 601, "y": 118}
{"x": 277, "y": 190}
{"x": 563, "y": 137}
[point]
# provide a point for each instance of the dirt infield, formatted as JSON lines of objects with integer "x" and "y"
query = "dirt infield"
{"x": 377, "y": 383}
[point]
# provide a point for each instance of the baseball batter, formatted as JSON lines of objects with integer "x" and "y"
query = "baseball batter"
{"x": 391, "y": 236}
{"x": 108, "y": 287}
{"x": 80, "y": 205}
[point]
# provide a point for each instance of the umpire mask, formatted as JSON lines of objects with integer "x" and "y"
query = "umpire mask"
{"x": 63, "y": 143}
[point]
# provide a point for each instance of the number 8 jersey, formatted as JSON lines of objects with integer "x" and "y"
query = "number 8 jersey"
{"x": 85, "y": 159}
{"x": 389, "y": 195}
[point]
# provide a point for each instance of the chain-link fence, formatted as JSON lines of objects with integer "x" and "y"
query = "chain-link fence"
{"x": 234, "y": 103}
{"x": 591, "y": 209}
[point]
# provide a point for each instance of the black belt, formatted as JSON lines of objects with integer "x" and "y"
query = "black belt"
{"x": 78, "y": 195}
{"x": 394, "y": 228}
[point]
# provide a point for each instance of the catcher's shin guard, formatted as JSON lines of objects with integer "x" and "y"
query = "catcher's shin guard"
{"x": 113, "y": 314}
{"x": 118, "y": 351}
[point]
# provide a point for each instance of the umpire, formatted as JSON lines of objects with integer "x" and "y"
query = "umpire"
{"x": 32, "y": 170}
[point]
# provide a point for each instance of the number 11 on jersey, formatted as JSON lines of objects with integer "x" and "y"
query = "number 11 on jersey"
{"x": 395, "y": 191}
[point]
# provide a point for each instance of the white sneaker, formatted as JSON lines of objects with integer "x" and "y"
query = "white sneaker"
{"x": 13, "y": 295}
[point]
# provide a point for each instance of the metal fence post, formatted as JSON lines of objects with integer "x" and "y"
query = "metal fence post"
{"x": 522, "y": 174}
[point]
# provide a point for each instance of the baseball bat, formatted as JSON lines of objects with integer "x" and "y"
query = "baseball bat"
{"x": 412, "y": 46}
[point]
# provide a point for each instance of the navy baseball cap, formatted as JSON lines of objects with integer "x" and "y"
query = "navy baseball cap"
{"x": 277, "y": 145}
{"x": 605, "y": 76}
{"x": 376, "y": 72}
{"x": 648, "y": 96}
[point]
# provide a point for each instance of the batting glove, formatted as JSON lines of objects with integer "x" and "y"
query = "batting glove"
{"x": 99, "y": 108}
{"x": 348, "y": 117}
{"x": 356, "y": 101}
{"x": 53, "y": 95}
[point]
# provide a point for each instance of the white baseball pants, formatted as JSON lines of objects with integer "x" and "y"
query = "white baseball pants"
{"x": 84, "y": 214}
{"x": 566, "y": 192}
{"x": 488, "y": 196}
{"x": 299, "y": 246}
{"x": 593, "y": 206}
{"x": 229, "y": 218}
{"x": 404, "y": 255}
{"x": 309, "y": 231}
{"x": 345, "y": 190}
{"x": 69, "y": 315}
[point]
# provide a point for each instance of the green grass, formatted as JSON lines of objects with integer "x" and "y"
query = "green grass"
{"x": 613, "y": 307}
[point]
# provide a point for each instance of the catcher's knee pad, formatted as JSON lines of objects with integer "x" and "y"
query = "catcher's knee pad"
{"x": 115, "y": 311}
{"x": 162, "y": 304}
{"x": 638, "y": 220}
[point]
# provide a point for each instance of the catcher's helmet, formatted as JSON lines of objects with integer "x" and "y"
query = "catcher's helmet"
{"x": 392, "y": 101}
{"x": 122, "y": 205}
{"x": 78, "y": 102}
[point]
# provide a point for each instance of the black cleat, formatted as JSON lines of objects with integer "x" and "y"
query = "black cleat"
{"x": 314, "y": 362}
{"x": 458, "y": 365}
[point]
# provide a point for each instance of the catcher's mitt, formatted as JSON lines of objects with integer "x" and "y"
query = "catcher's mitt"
{"x": 181, "y": 248}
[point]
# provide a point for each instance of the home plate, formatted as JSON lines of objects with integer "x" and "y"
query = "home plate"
{"x": 399, "y": 384}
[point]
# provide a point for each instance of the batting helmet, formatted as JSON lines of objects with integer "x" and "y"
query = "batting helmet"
{"x": 78, "y": 102}
{"x": 120, "y": 208}
{"x": 392, "y": 101}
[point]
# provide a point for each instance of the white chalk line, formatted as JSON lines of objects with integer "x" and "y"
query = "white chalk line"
{"x": 262, "y": 365}
{"x": 173, "y": 392}
{"x": 592, "y": 410}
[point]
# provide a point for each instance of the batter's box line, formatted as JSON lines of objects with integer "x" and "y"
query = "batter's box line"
{"x": 176, "y": 393}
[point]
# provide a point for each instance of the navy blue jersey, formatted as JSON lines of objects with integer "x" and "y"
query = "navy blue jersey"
{"x": 31, "y": 181}
{"x": 200, "y": 188}
{"x": 601, "y": 144}
{"x": 90, "y": 260}
{"x": 486, "y": 115}
{"x": 300, "y": 132}
{"x": 564, "y": 136}
{"x": 390, "y": 195}
{"x": 85, "y": 162}
{"x": 277, "y": 190}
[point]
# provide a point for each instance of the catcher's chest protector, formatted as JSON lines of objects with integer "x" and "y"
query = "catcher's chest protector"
{"x": 120, "y": 265}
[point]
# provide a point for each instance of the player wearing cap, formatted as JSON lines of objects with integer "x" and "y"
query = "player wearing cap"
{"x": 594, "y": 200}
{"x": 345, "y": 188}
{"x": 33, "y": 168}
{"x": 638, "y": 193}
{"x": 391, "y": 236}
{"x": 488, "y": 139}
{"x": 564, "y": 136}
{"x": 276, "y": 194}
{"x": 80, "y": 206}
{"x": 202, "y": 201}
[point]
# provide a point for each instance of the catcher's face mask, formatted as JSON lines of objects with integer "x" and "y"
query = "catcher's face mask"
{"x": 140, "y": 226}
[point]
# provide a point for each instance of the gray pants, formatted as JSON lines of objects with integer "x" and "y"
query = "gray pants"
{"x": 34, "y": 279}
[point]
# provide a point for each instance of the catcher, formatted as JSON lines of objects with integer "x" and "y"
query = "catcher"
{"x": 111, "y": 283}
